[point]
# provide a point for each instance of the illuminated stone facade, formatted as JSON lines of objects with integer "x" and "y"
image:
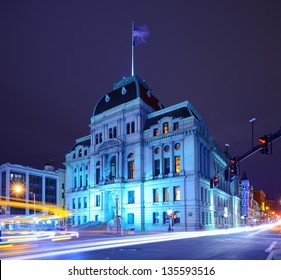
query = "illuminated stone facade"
{"x": 141, "y": 160}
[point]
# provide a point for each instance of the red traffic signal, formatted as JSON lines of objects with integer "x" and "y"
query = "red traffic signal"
{"x": 264, "y": 144}
{"x": 233, "y": 169}
{"x": 216, "y": 182}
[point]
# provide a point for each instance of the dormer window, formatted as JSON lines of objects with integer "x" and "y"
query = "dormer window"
{"x": 165, "y": 128}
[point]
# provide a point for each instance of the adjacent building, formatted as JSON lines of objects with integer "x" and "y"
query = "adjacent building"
{"x": 35, "y": 187}
{"x": 147, "y": 167}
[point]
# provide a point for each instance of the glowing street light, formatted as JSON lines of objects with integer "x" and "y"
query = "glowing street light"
{"x": 19, "y": 189}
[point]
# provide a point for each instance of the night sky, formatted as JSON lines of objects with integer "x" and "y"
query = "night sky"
{"x": 57, "y": 58}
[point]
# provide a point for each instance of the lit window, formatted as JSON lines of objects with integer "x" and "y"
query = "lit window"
{"x": 166, "y": 195}
{"x": 177, "y": 164}
{"x": 131, "y": 166}
{"x": 165, "y": 128}
{"x": 155, "y": 195}
{"x": 177, "y": 193}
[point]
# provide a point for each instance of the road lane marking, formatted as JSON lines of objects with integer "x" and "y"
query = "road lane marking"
{"x": 269, "y": 249}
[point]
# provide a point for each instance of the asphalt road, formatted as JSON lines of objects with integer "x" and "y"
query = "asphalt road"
{"x": 222, "y": 245}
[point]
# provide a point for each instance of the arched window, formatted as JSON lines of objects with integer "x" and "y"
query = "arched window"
{"x": 80, "y": 153}
{"x": 112, "y": 174}
{"x": 131, "y": 166}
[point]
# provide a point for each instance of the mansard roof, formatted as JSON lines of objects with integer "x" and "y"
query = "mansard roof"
{"x": 124, "y": 91}
{"x": 84, "y": 141}
{"x": 181, "y": 110}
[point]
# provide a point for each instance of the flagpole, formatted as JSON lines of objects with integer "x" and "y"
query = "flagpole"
{"x": 133, "y": 48}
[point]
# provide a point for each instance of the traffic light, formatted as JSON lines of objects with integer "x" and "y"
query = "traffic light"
{"x": 233, "y": 169}
{"x": 216, "y": 182}
{"x": 264, "y": 144}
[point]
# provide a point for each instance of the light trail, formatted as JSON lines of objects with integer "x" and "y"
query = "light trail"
{"x": 131, "y": 241}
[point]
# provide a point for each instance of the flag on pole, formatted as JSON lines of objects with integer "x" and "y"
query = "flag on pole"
{"x": 139, "y": 34}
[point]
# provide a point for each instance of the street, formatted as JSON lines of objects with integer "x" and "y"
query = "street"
{"x": 231, "y": 244}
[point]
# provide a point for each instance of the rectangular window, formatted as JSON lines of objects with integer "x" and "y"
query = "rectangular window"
{"x": 176, "y": 126}
{"x": 131, "y": 169}
{"x": 155, "y": 132}
{"x": 73, "y": 203}
{"x": 166, "y": 166}
{"x": 128, "y": 128}
{"x": 97, "y": 139}
{"x": 97, "y": 175}
{"x": 131, "y": 197}
{"x": 156, "y": 167}
{"x": 79, "y": 202}
{"x": 114, "y": 132}
{"x": 165, "y": 128}
{"x": 177, "y": 164}
{"x": 97, "y": 200}
{"x": 177, "y": 194}
{"x": 131, "y": 218}
{"x": 85, "y": 202}
{"x": 155, "y": 195}
{"x": 110, "y": 135}
{"x": 166, "y": 195}
{"x": 165, "y": 217}
{"x": 100, "y": 137}
{"x": 155, "y": 217}
{"x": 132, "y": 127}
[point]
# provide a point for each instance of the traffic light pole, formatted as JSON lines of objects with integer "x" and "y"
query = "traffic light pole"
{"x": 271, "y": 138}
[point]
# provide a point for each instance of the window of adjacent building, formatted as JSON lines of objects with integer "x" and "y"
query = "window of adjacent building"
{"x": 155, "y": 195}
{"x": 131, "y": 218}
{"x": 165, "y": 128}
{"x": 156, "y": 167}
{"x": 100, "y": 138}
{"x": 79, "y": 220}
{"x": 166, "y": 166}
{"x": 85, "y": 202}
{"x": 97, "y": 200}
{"x": 176, "y": 126}
{"x": 114, "y": 132}
{"x": 128, "y": 128}
{"x": 112, "y": 174}
{"x": 86, "y": 180}
{"x": 80, "y": 153}
{"x": 97, "y": 139}
{"x": 131, "y": 166}
{"x": 131, "y": 197}
{"x": 166, "y": 194}
{"x": 156, "y": 217}
{"x": 80, "y": 181}
{"x": 155, "y": 132}
{"x": 177, "y": 194}
{"x": 75, "y": 182}
{"x": 98, "y": 172}
{"x": 73, "y": 203}
{"x": 85, "y": 152}
{"x": 132, "y": 127}
{"x": 73, "y": 220}
{"x": 177, "y": 164}
{"x": 79, "y": 202}
{"x": 73, "y": 156}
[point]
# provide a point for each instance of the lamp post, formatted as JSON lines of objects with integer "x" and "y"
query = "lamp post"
{"x": 252, "y": 122}
{"x": 19, "y": 189}
{"x": 169, "y": 212}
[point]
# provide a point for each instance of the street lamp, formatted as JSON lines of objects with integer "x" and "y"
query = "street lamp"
{"x": 18, "y": 188}
{"x": 169, "y": 212}
{"x": 252, "y": 122}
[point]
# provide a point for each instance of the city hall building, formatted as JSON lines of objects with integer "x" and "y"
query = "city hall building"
{"x": 148, "y": 168}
